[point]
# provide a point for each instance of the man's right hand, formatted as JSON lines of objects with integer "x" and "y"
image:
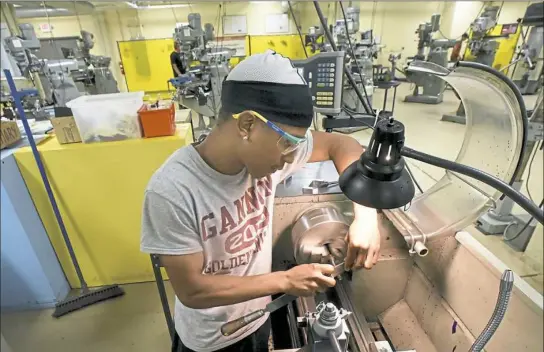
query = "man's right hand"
{"x": 201, "y": 291}
{"x": 308, "y": 279}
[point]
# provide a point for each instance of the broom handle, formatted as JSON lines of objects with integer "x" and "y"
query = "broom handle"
{"x": 17, "y": 100}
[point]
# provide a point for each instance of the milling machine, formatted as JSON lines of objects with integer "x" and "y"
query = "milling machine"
{"x": 528, "y": 71}
{"x": 366, "y": 50}
{"x": 360, "y": 62}
{"x": 482, "y": 48}
{"x": 431, "y": 87}
{"x": 94, "y": 70}
{"x": 480, "y": 44}
{"x": 70, "y": 70}
{"x": 315, "y": 39}
{"x": 208, "y": 65}
{"x": 17, "y": 56}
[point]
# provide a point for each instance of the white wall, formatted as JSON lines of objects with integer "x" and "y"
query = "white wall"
{"x": 464, "y": 12}
{"x": 160, "y": 23}
{"x": 70, "y": 26}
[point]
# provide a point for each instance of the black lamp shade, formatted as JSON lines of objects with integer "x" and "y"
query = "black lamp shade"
{"x": 373, "y": 193}
{"x": 379, "y": 180}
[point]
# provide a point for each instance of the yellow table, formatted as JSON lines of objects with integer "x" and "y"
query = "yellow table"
{"x": 99, "y": 188}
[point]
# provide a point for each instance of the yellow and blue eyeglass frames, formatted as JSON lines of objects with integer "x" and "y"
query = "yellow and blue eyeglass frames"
{"x": 287, "y": 142}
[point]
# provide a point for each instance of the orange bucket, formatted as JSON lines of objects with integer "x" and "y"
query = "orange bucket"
{"x": 157, "y": 122}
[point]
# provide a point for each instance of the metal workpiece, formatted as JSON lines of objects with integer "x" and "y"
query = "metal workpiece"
{"x": 328, "y": 208}
{"x": 318, "y": 234}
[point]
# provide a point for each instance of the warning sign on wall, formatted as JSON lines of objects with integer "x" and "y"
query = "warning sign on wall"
{"x": 46, "y": 27}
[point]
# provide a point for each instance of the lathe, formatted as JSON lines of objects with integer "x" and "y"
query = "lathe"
{"x": 435, "y": 288}
{"x": 438, "y": 299}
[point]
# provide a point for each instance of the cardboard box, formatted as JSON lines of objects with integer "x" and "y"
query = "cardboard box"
{"x": 66, "y": 129}
{"x": 9, "y": 133}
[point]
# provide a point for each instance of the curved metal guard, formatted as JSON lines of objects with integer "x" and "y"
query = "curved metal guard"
{"x": 493, "y": 143}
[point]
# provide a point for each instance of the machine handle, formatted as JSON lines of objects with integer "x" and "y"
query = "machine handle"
{"x": 232, "y": 326}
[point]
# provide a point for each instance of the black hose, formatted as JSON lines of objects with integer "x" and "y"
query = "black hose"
{"x": 413, "y": 178}
{"x": 509, "y": 239}
{"x": 521, "y": 102}
{"x": 505, "y": 290}
{"x": 479, "y": 175}
{"x": 367, "y": 108}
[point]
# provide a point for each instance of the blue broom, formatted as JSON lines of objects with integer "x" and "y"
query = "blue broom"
{"x": 86, "y": 297}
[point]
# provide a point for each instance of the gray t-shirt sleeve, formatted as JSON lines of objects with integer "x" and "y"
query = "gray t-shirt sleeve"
{"x": 167, "y": 228}
{"x": 302, "y": 155}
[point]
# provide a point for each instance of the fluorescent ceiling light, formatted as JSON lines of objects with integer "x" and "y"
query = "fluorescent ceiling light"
{"x": 51, "y": 10}
{"x": 129, "y": 3}
{"x": 16, "y": 5}
{"x": 154, "y": 7}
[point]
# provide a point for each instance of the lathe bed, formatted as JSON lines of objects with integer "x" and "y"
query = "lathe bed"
{"x": 440, "y": 302}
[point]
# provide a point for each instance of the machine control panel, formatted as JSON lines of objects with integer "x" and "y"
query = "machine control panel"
{"x": 324, "y": 73}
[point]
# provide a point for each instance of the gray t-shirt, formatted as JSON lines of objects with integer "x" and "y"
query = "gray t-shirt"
{"x": 188, "y": 208}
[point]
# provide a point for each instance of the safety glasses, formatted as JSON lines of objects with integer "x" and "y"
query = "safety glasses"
{"x": 287, "y": 143}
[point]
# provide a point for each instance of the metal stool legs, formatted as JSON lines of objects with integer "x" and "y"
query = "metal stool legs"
{"x": 156, "y": 263}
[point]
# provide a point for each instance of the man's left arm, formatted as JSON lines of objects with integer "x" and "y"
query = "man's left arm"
{"x": 363, "y": 237}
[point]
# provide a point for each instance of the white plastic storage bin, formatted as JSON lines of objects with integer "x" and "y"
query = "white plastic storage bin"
{"x": 107, "y": 117}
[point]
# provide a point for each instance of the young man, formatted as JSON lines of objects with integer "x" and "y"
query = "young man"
{"x": 208, "y": 209}
{"x": 456, "y": 51}
{"x": 176, "y": 61}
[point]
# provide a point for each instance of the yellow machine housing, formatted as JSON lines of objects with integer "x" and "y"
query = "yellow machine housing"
{"x": 507, "y": 36}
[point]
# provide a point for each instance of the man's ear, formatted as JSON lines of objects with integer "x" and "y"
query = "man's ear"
{"x": 246, "y": 122}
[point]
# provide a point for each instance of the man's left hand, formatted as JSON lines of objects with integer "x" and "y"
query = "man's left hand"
{"x": 363, "y": 240}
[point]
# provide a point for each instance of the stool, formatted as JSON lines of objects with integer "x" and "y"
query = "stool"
{"x": 387, "y": 85}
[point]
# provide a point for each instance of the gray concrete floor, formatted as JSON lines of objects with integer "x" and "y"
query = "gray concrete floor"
{"x": 135, "y": 322}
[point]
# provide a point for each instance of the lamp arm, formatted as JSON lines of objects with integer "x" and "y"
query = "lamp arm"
{"x": 479, "y": 175}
